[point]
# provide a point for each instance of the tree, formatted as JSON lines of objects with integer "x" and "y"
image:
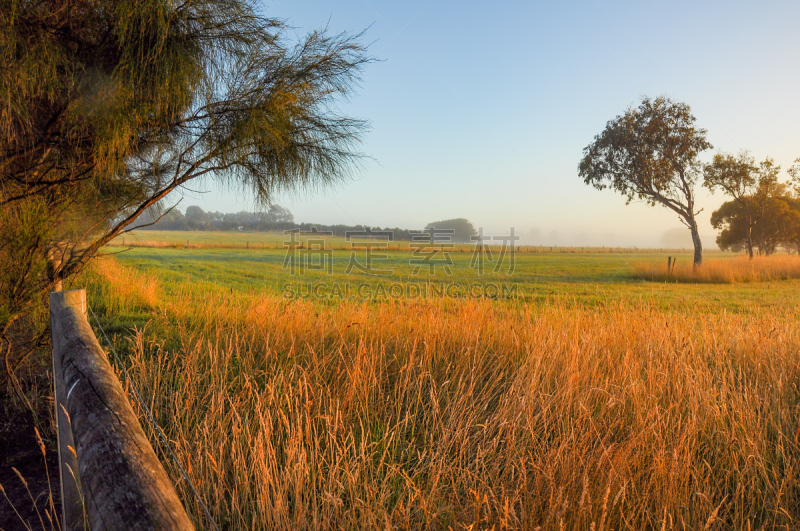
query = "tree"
{"x": 279, "y": 214}
{"x": 736, "y": 176}
{"x": 172, "y": 220}
{"x": 767, "y": 219}
{"x": 650, "y": 154}
{"x": 195, "y": 214}
{"x": 109, "y": 106}
{"x": 794, "y": 173}
{"x": 771, "y": 212}
{"x": 462, "y": 228}
{"x": 791, "y": 229}
{"x": 731, "y": 219}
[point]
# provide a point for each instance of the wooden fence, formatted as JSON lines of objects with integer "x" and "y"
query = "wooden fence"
{"x": 110, "y": 476}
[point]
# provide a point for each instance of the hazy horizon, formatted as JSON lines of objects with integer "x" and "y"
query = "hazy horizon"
{"x": 482, "y": 112}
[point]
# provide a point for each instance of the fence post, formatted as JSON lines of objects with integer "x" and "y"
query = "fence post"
{"x": 105, "y": 458}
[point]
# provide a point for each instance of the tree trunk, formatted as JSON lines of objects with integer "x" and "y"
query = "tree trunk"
{"x": 698, "y": 245}
{"x": 750, "y": 235}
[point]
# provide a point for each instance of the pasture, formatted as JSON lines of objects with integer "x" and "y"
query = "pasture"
{"x": 215, "y": 262}
{"x": 590, "y": 399}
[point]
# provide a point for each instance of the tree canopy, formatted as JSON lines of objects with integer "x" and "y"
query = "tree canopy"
{"x": 649, "y": 153}
{"x": 108, "y": 106}
{"x": 764, "y": 220}
{"x": 195, "y": 218}
{"x": 462, "y": 228}
{"x": 740, "y": 178}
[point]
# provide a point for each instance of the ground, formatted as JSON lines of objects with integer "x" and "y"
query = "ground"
{"x": 586, "y": 275}
{"x": 21, "y": 451}
{"x": 221, "y": 329}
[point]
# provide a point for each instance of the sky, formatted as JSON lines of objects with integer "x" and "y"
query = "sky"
{"x": 482, "y": 109}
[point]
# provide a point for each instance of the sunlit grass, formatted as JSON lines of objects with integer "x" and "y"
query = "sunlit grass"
{"x": 731, "y": 271}
{"x": 132, "y": 290}
{"x": 414, "y": 415}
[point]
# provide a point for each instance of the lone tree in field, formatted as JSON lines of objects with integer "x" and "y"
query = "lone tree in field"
{"x": 109, "y": 106}
{"x": 650, "y": 154}
{"x": 740, "y": 178}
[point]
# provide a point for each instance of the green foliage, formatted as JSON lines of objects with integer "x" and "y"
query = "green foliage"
{"x": 462, "y": 228}
{"x": 106, "y": 107}
{"x": 196, "y": 218}
{"x": 22, "y": 260}
{"x": 194, "y": 213}
{"x": 731, "y": 220}
{"x": 149, "y": 95}
{"x": 794, "y": 173}
{"x": 650, "y": 154}
{"x": 736, "y": 176}
{"x": 767, "y": 219}
{"x": 749, "y": 185}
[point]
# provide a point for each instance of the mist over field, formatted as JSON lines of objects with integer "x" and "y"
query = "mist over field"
{"x": 499, "y": 144}
{"x": 676, "y": 238}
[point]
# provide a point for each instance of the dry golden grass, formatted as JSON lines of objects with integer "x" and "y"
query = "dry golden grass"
{"x": 732, "y": 271}
{"x": 476, "y": 415}
{"x": 129, "y": 288}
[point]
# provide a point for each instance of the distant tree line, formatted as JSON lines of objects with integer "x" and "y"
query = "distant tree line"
{"x": 196, "y": 218}
{"x": 277, "y": 218}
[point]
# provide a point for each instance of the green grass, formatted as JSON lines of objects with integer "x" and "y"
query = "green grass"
{"x": 276, "y": 239}
{"x": 585, "y": 277}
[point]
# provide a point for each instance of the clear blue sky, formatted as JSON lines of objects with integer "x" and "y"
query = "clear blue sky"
{"x": 481, "y": 110}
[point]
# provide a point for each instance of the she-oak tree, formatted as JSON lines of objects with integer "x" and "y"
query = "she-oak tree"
{"x": 108, "y": 106}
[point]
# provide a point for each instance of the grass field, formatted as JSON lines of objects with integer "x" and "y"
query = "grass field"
{"x": 275, "y": 240}
{"x": 591, "y": 399}
{"x": 564, "y": 274}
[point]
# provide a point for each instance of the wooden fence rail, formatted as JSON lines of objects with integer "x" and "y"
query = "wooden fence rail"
{"x": 110, "y": 475}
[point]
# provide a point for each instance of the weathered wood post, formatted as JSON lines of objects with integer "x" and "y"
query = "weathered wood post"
{"x": 105, "y": 458}
{"x": 72, "y": 514}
